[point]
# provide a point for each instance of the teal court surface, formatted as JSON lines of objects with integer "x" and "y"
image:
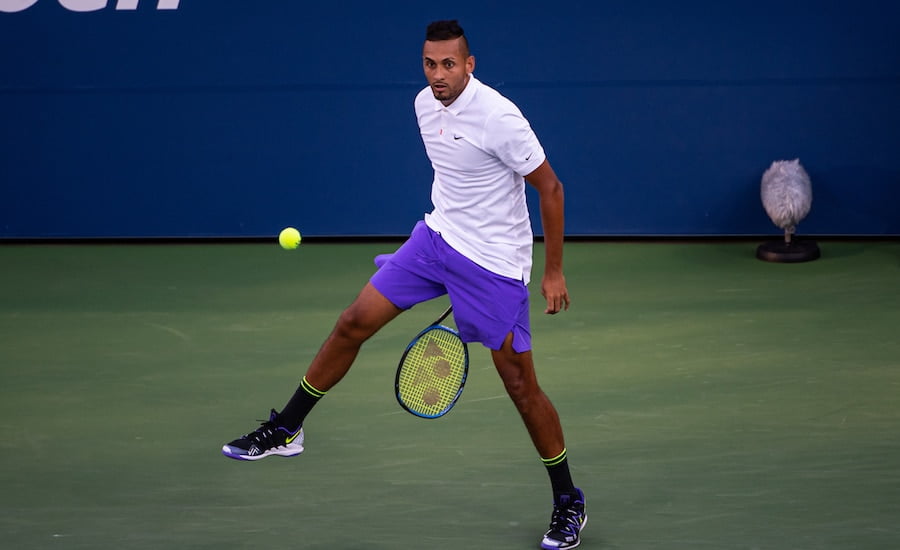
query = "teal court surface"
{"x": 710, "y": 401}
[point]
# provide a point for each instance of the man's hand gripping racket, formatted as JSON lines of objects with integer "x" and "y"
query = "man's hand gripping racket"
{"x": 432, "y": 371}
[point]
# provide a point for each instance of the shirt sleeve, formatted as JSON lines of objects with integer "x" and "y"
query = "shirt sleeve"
{"x": 509, "y": 136}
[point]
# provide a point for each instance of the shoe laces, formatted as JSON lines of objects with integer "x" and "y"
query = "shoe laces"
{"x": 263, "y": 436}
{"x": 565, "y": 518}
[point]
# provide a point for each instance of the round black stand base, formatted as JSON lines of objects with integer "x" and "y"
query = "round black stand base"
{"x": 792, "y": 252}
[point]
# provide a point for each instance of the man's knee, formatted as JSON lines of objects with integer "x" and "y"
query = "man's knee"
{"x": 517, "y": 373}
{"x": 354, "y": 325}
{"x": 365, "y": 316}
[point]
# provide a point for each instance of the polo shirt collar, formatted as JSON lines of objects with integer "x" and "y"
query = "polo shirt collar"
{"x": 464, "y": 98}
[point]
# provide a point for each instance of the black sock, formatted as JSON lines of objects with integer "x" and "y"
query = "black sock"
{"x": 560, "y": 478}
{"x": 304, "y": 399}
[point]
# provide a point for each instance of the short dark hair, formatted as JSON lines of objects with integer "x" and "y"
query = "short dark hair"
{"x": 443, "y": 30}
{"x": 446, "y": 30}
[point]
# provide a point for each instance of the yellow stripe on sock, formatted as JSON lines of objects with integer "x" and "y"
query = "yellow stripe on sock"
{"x": 310, "y": 389}
{"x": 555, "y": 460}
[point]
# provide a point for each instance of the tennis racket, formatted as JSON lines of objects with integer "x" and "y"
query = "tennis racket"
{"x": 432, "y": 371}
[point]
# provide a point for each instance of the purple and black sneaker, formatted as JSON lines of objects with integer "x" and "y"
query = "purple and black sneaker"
{"x": 568, "y": 519}
{"x": 269, "y": 439}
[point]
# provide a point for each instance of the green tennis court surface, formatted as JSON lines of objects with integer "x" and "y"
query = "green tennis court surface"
{"x": 710, "y": 400}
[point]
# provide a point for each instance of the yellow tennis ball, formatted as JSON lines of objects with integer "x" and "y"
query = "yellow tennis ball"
{"x": 289, "y": 238}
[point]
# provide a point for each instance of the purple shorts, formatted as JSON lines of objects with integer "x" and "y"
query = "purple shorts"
{"x": 486, "y": 306}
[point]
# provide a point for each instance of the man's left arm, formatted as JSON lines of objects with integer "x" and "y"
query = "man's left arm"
{"x": 550, "y": 190}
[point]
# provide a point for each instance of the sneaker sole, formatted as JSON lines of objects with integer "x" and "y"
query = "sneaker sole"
{"x": 549, "y": 547}
{"x": 286, "y": 452}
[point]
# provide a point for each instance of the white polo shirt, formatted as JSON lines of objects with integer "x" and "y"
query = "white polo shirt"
{"x": 480, "y": 148}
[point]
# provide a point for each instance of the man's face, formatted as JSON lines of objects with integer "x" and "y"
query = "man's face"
{"x": 447, "y": 67}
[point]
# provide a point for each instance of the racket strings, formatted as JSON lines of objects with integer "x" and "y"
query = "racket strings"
{"x": 432, "y": 372}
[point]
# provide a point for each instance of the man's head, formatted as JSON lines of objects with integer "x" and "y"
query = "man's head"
{"x": 446, "y": 60}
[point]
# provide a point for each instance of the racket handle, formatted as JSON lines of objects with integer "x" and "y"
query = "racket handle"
{"x": 443, "y": 315}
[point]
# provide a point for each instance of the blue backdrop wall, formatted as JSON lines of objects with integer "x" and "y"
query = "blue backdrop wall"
{"x": 167, "y": 118}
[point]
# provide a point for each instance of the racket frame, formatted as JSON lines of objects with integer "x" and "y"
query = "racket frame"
{"x": 436, "y": 325}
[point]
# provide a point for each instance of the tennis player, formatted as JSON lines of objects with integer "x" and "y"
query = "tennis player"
{"x": 476, "y": 247}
